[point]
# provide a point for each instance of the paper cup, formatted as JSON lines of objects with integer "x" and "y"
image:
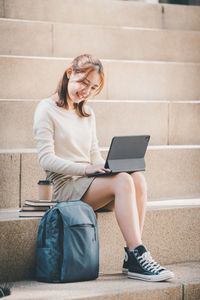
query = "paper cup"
{"x": 45, "y": 189}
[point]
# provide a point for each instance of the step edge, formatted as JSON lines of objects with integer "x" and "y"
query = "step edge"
{"x": 117, "y": 27}
{"x": 173, "y": 203}
{"x": 110, "y": 101}
{"x": 108, "y": 60}
{"x": 153, "y": 147}
{"x": 151, "y": 206}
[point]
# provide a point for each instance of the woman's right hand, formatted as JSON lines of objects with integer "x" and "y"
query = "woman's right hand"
{"x": 98, "y": 168}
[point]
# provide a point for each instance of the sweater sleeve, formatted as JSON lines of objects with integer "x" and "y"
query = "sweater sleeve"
{"x": 95, "y": 155}
{"x": 43, "y": 129}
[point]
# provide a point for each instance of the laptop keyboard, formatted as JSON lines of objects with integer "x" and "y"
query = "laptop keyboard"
{"x": 100, "y": 174}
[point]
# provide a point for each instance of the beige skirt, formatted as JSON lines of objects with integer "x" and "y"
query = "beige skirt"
{"x": 68, "y": 188}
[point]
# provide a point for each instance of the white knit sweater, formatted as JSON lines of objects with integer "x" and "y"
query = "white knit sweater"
{"x": 66, "y": 143}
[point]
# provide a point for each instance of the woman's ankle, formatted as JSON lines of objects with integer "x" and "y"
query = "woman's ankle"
{"x": 132, "y": 246}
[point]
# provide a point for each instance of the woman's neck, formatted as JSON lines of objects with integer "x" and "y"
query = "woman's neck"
{"x": 70, "y": 103}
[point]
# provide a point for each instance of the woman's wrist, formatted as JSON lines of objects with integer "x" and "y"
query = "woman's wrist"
{"x": 86, "y": 168}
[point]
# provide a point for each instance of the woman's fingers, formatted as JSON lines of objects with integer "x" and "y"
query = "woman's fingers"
{"x": 96, "y": 169}
{"x": 105, "y": 170}
{"x": 101, "y": 170}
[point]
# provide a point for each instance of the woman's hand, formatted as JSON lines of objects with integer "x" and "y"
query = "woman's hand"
{"x": 99, "y": 168}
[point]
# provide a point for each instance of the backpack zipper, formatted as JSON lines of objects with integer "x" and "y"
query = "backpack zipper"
{"x": 86, "y": 225}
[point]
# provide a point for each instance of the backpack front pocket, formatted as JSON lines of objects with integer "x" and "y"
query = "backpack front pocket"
{"x": 81, "y": 252}
{"x": 85, "y": 226}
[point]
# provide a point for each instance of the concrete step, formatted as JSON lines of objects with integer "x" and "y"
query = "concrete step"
{"x": 171, "y": 233}
{"x": 39, "y": 77}
{"x": 175, "y": 123}
{"x": 171, "y": 172}
{"x": 186, "y": 285}
{"x": 120, "y": 13}
{"x": 19, "y": 37}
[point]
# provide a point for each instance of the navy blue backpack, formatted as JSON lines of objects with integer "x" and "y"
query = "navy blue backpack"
{"x": 68, "y": 244}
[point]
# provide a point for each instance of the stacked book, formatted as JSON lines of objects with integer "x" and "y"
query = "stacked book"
{"x": 35, "y": 208}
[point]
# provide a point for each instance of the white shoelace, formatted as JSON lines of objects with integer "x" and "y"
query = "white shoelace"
{"x": 148, "y": 263}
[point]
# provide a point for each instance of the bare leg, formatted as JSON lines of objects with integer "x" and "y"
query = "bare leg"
{"x": 121, "y": 189}
{"x": 126, "y": 211}
{"x": 141, "y": 196}
{"x": 129, "y": 193}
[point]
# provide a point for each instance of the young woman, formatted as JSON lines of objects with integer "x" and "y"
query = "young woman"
{"x": 65, "y": 132}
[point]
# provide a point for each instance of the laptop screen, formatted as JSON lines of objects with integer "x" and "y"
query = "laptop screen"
{"x": 127, "y": 147}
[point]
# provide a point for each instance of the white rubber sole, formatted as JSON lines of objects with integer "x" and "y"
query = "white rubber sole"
{"x": 165, "y": 275}
{"x": 124, "y": 271}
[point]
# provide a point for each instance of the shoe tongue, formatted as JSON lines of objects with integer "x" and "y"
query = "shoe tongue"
{"x": 140, "y": 249}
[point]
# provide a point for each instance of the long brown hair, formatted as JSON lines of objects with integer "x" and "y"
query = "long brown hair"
{"x": 85, "y": 64}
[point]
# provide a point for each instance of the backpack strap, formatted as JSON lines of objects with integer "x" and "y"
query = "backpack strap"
{"x": 53, "y": 230}
{"x": 42, "y": 229}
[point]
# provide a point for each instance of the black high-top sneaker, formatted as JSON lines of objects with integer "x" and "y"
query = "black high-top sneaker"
{"x": 126, "y": 261}
{"x": 142, "y": 266}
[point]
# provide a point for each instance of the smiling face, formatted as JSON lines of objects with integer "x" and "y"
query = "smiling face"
{"x": 82, "y": 86}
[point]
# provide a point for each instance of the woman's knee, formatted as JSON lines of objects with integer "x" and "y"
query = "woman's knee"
{"x": 123, "y": 181}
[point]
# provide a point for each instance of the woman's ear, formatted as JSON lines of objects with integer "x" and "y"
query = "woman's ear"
{"x": 69, "y": 72}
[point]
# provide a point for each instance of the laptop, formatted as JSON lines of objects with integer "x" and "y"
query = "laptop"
{"x": 126, "y": 154}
